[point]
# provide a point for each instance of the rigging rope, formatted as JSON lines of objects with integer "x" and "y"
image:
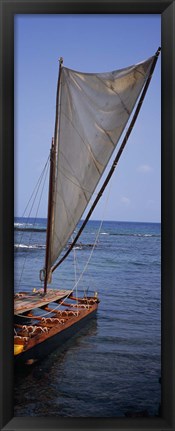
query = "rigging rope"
{"x": 75, "y": 269}
{"x": 37, "y": 184}
{"x": 37, "y": 187}
{"x": 96, "y": 240}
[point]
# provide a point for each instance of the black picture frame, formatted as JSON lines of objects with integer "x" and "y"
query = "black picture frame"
{"x": 8, "y": 9}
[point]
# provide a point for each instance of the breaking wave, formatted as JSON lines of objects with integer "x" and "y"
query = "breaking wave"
{"x": 19, "y": 247}
{"x": 29, "y": 227}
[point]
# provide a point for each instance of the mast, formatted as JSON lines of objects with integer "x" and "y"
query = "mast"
{"x": 125, "y": 139}
{"x": 53, "y": 153}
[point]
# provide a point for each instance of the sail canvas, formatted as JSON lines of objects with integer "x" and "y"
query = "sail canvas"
{"x": 92, "y": 111}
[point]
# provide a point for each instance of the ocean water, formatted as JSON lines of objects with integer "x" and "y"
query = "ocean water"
{"x": 112, "y": 367}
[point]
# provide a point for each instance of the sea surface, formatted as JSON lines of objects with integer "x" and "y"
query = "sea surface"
{"x": 111, "y": 368}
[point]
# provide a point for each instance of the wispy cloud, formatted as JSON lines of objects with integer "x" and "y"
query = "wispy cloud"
{"x": 144, "y": 169}
{"x": 125, "y": 200}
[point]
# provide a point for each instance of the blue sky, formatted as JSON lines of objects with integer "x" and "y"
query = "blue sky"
{"x": 88, "y": 43}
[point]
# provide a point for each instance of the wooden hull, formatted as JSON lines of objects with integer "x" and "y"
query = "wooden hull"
{"x": 43, "y": 344}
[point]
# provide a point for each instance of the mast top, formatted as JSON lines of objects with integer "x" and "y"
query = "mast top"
{"x": 60, "y": 60}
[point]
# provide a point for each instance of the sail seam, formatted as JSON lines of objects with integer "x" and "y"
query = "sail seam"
{"x": 74, "y": 175}
{"x": 87, "y": 96}
{"x": 85, "y": 144}
{"x": 139, "y": 71}
{"x": 115, "y": 92}
{"x": 96, "y": 162}
{"x": 68, "y": 215}
{"x": 109, "y": 137}
{"x": 71, "y": 180}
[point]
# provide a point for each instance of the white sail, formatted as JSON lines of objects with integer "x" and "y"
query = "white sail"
{"x": 92, "y": 113}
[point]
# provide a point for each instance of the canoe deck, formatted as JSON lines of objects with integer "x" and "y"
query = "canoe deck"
{"x": 25, "y": 301}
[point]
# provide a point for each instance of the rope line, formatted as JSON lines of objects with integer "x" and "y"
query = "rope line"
{"x": 38, "y": 185}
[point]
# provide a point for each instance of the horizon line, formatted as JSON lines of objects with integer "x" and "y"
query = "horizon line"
{"x": 97, "y": 220}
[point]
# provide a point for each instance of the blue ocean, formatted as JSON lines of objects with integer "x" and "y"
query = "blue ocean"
{"x": 112, "y": 367}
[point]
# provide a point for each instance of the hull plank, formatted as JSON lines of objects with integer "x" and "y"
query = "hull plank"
{"x": 45, "y": 344}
